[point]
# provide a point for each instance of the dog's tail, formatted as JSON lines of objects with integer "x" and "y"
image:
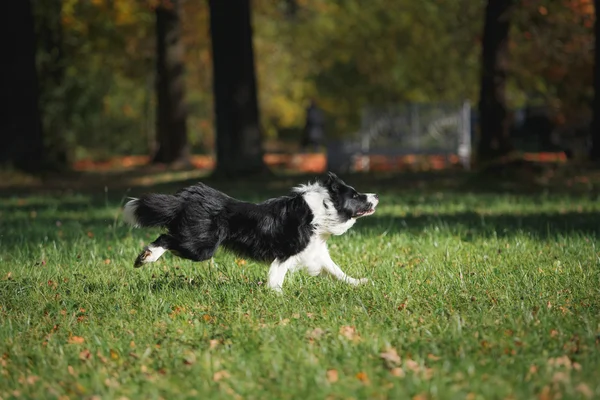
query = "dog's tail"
{"x": 151, "y": 210}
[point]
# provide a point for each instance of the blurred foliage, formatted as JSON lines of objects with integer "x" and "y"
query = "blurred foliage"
{"x": 344, "y": 53}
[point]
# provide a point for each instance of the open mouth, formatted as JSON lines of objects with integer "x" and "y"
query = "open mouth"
{"x": 365, "y": 213}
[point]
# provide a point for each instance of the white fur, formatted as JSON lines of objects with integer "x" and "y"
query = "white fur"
{"x": 129, "y": 213}
{"x": 156, "y": 253}
{"x": 326, "y": 218}
{"x": 373, "y": 199}
{"x": 315, "y": 258}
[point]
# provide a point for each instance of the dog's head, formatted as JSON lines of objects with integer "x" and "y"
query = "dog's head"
{"x": 347, "y": 201}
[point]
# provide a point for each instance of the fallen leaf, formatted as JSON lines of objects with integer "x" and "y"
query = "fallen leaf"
{"x": 114, "y": 355}
{"x": 85, "y": 355}
{"x": 420, "y": 396}
{"x": 350, "y": 333}
{"x": 362, "y": 376}
{"x": 32, "y": 379}
{"x": 189, "y": 359}
{"x": 207, "y": 318}
{"x": 111, "y": 383}
{"x": 398, "y": 372}
{"x": 107, "y": 261}
{"x": 585, "y": 390}
{"x": 284, "y": 322}
{"x": 71, "y": 370}
{"x": 390, "y": 357}
{"x": 240, "y": 261}
{"x": 76, "y": 340}
{"x": 101, "y": 357}
{"x": 412, "y": 365}
{"x": 332, "y": 376}
{"x": 217, "y": 376}
{"x": 553, "y": 333}
{"x": 563, "y": 361}
{"x": 315, "y": 334}
{"x": 433, "y": 357}
{"x": 560, "y": 377}
{"x": 533, "y": 369}
{"x": 213, "y": 343}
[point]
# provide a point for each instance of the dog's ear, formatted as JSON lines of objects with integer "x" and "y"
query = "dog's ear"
{"x": 332, "y": 182}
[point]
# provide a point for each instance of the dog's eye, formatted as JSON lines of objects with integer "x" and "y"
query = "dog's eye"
{"x": 355, "y": 196}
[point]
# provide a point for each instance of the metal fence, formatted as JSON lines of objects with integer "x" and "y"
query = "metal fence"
{"x": 412, "y": 129}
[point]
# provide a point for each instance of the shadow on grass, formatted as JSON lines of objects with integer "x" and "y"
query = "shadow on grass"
{"x": 470, "y": 224}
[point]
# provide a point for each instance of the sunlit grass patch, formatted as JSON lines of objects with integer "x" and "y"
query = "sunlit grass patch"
{"x": 472, "y": 295}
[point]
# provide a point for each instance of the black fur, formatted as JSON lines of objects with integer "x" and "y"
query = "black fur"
{"x": 199, "y": 219}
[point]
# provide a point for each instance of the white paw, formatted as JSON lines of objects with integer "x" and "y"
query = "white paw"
{"x": 277, "y": 289}
{"x": 362, "y": 281}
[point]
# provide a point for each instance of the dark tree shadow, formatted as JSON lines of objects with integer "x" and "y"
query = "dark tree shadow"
{"x": 471, "y": 224}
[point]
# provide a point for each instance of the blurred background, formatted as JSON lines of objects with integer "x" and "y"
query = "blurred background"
{"x": 243, "y": 87}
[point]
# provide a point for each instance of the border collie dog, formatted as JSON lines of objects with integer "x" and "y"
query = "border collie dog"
{"x": 290, "y": 232}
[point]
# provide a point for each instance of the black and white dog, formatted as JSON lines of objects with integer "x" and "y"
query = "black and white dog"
{"x": 290, "y": 232}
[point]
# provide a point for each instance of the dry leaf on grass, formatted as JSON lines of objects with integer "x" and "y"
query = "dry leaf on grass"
{"x": 412, "y": 365}
{"x": 560, "y": 377}
{"x": 332, "y": 376}
{"x": 85, "y": 355}
{"x": 398, "y": 372}
{"x": 585, "y": 390}
{"x": 363, "y": 377}
{"x": 220, "y": 375}
{"x": 350, "y": 333}
{"x": 390, "y": 357}
{"x": 564, "y": 361}
{"x": 76, "y": 340}
{"x": 213, "y": 343}
{"x": 101, "y": 357}
{"x": 189, "y": 358}
{"x": 315, "y": 334}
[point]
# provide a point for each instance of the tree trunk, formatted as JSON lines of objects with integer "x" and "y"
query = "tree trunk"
{"x": 494, "y": 138}
{"x": 239, "y": 143}
{"x": 595, "y": 127}
{"x": 51, "y": 71}
{"x": 171, "y": 129}
{"x": 20, "y": 123}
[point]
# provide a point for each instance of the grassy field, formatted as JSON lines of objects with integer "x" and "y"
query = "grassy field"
{"x": 474, "y": 294}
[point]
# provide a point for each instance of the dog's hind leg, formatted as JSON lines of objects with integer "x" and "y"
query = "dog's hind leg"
{"x": 153, "y": 251}
{"x": 277, "y": 272}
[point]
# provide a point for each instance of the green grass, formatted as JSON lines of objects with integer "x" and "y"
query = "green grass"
{"x": 482, "y": 294}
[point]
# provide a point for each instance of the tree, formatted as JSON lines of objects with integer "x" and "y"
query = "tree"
{"x": 595, "y": 127}
{"x": 239, "y": 145}
{"x": 51, "y": 71}
{"x": 494, "y": 139}
{"x": 20, "y": 122}
{"x": 171, "y": 133}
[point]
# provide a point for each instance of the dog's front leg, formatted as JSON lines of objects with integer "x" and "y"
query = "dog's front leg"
{"x": 333, "y": 269}
{"x": 277, "y": 273}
